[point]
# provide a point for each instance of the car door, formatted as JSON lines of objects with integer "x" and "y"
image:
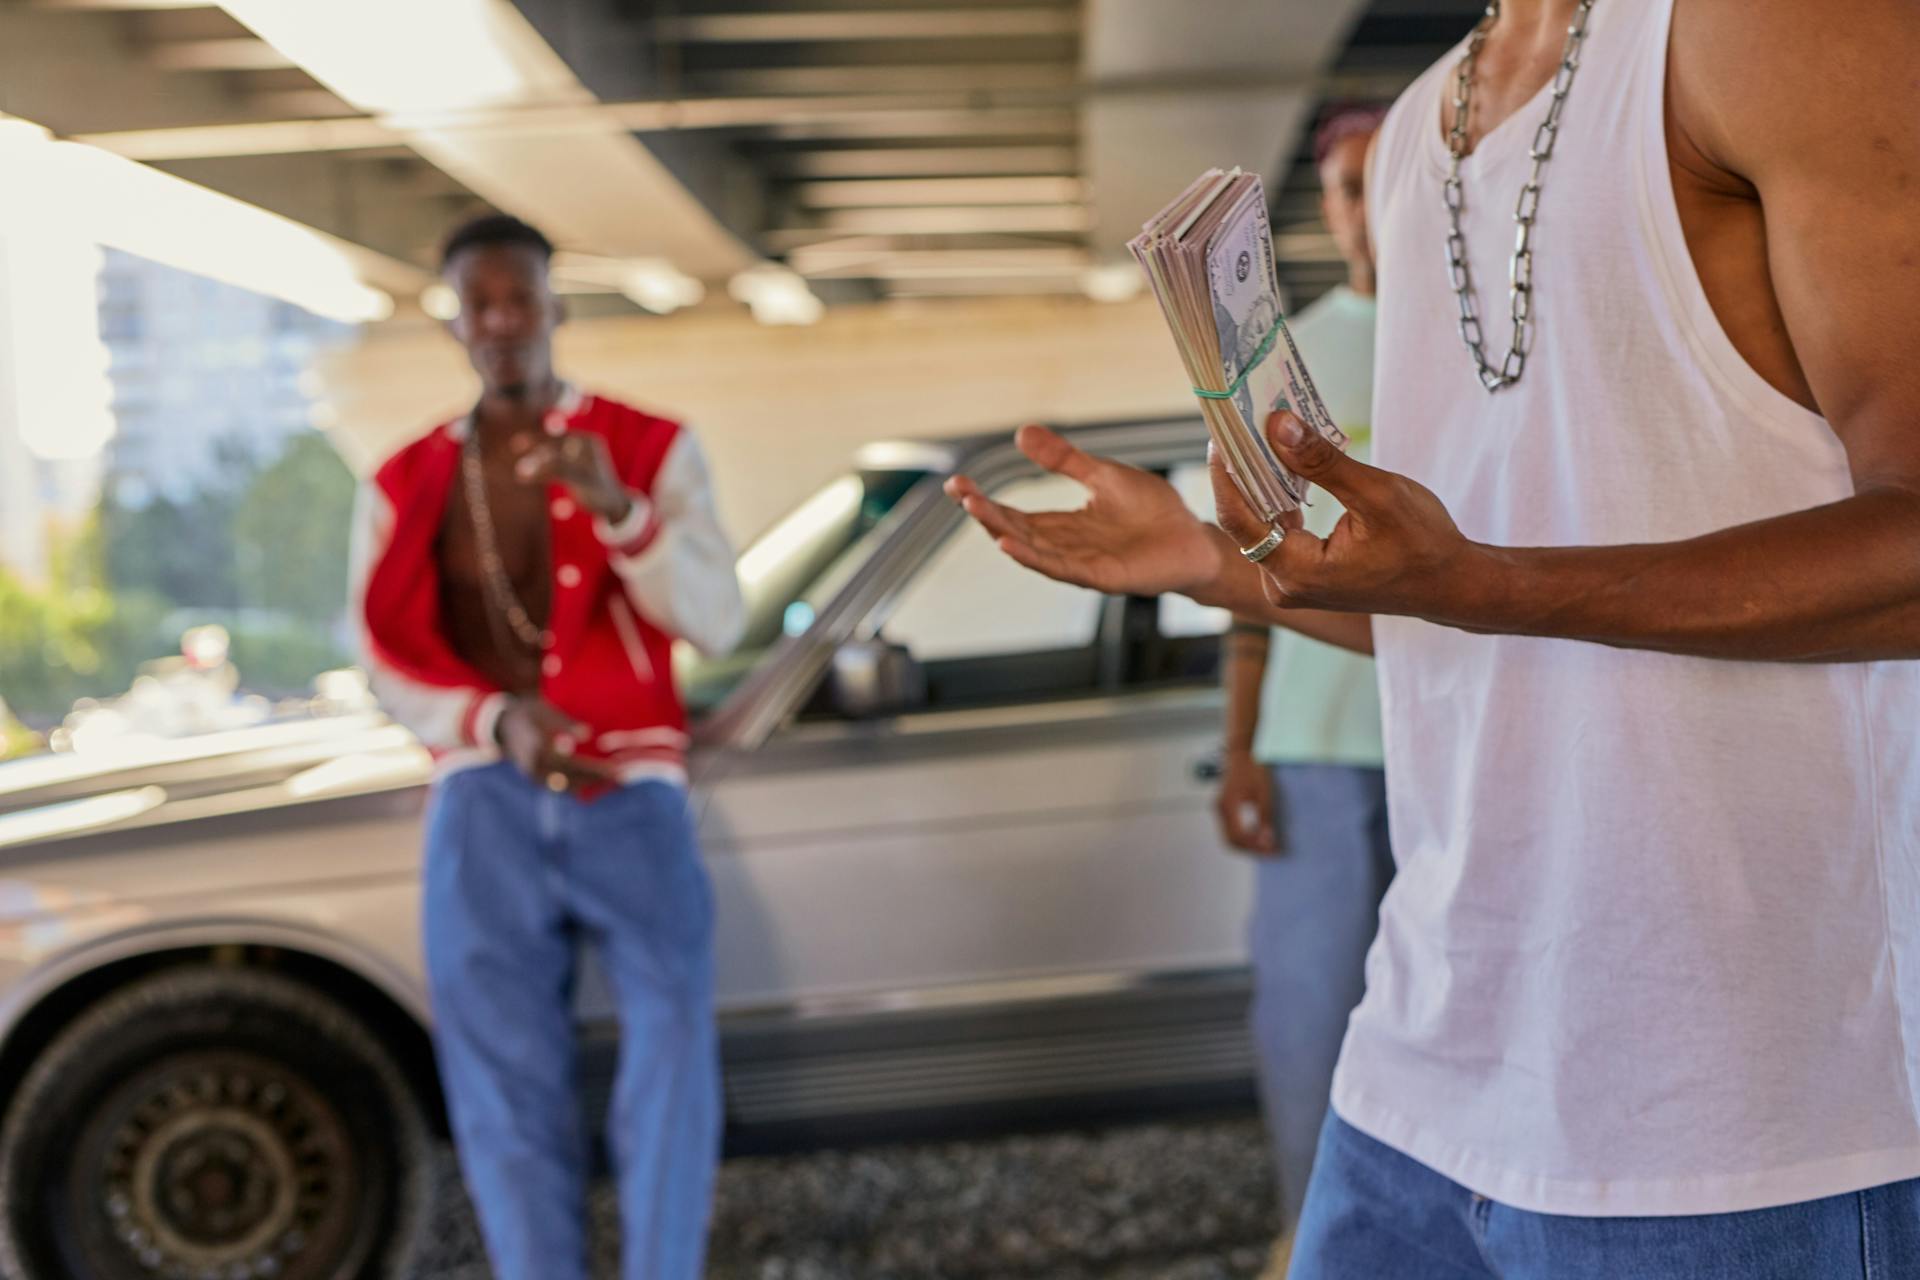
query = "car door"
{"x": 1043, "y": 816}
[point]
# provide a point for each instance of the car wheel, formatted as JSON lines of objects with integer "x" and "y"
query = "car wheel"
{"x": 212, "y": 1122}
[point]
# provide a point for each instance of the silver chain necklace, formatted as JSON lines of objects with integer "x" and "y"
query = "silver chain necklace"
{"x": 1520, "y": 270}
{"x": 493, "y": 571}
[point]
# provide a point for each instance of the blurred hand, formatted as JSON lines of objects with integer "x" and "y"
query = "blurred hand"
{"x": 1394, "y": 551}
{"x": 1245, "y": 805}
{"x": 1135, "y": 536}
{"x": 540, "y": 739}
{"x": 580, "y": 461}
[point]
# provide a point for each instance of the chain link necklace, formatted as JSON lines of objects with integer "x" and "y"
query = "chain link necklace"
{"x": 1520, "y": 270}
{"x": 493, "y": 570}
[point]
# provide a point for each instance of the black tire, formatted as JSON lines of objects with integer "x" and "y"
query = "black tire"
{"x": 213, "y": 1122}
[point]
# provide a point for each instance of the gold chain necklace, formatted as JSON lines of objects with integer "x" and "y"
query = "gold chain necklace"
{"x": 493, "y": 570}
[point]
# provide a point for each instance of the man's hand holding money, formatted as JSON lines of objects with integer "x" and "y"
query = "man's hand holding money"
{"x": 1396, "y": 550}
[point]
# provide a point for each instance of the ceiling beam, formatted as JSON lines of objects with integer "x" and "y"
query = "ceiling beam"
{"x": 298, "y": 105}
{"x": 974, "y": 76}
{"x": 237, "y": 53}
{"x": 907, "y": 192}
{"x": 985, "y": 286}
{"x": 921, "y": 162}
{"x": 123, "y": 6}
{"x": 981, "y": 122}
{"x": 262, "y": 138}
{"x": 1257, "y": 68}
{"x": 872, "y": 24}
{"x": 856, "y": 117}
{"x": 827, "y": 262}
{"x": 1026, "y": 219}
{"x": 969, "y": 220}
{"x": 956, "y": 113}
{"x": 580, "y": 175}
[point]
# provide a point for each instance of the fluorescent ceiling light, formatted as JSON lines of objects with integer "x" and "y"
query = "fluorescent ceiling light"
{"x": 440, "y": 301}
{"x": 660, "y": 287}
{"x": 652, "y": 283}
{"x": 1112, "y": 281}
{"x": 109, "y": 200}
{"x": 776, "y": 295}
{"x": 367, "y": 51}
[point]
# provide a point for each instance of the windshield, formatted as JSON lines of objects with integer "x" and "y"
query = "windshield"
{"x": 791, "y": 570}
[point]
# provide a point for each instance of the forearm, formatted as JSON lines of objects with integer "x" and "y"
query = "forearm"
{"x": 1237, "y": 585}
{"x": 1244, "y": 670}
{"x": 1839, "y": 583}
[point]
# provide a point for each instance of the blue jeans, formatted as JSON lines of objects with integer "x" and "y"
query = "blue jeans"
{"x": 516, "y": 877}
{"x": 1375, "y": 1214}
{"x": 1316, "y": 909}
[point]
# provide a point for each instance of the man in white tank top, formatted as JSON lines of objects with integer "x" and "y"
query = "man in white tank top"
{"x": 1639, "y": 558}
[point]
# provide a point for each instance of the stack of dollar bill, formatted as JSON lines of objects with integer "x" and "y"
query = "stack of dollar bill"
{"x": 1209, "y": 255}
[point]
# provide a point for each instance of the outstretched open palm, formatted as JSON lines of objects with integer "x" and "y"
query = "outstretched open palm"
{"x": 1135, "y": 536}
{"x": 1396, "y": 550}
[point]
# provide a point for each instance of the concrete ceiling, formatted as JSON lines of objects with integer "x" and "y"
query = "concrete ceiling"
{"x": 906, "y": 148}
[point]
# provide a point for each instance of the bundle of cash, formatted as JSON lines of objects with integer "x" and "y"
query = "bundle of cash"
{"x": 1209, "y": 255}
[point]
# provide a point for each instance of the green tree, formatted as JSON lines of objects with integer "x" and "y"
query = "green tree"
{"x": 260, "y": 549}
{"x": 73, "y": 639}
{"x": 181, "y": 548}
{"x": 290, "y": 531}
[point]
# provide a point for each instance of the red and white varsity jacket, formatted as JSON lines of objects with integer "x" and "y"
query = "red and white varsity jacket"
{"x": 621, "y": 596}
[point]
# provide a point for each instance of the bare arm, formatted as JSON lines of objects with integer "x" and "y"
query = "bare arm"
{"x": 1836, "y": 173}
{"x": 1831, "y": 150}
{"x": 1249, "y": 593}
{"x": 1244, "y": 803}
{"x": 1817, "y": 110}
{"x": 1243, "y": 669}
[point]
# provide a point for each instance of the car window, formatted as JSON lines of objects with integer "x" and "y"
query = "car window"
{"x": 983, "y": 631}
{"x": 971, "y": 601}
{"x": 1181, "y": 618}
{"x": 788, "y": 572}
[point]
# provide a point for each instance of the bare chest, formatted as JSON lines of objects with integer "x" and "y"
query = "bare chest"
{"x": 500, "y": 517}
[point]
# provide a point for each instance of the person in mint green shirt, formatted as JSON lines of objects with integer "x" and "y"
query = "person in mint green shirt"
{"x": 1303, "y": 789}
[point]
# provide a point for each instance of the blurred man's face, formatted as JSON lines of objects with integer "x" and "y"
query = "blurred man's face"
{"x": 507, "y": 316}
{"x": 1343, "y": 181}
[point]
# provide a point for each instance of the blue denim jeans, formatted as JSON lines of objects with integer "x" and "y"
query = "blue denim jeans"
{"x": 516, "y": 878}
{"x": 1375, "y": 1214}
{"x": 1316, "y": 909}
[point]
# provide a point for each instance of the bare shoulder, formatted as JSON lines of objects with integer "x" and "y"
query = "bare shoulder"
{"x": 1757, "y": 84}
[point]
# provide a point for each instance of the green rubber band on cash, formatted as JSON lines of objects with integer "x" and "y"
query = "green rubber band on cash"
{"x": 1259, "y": 354}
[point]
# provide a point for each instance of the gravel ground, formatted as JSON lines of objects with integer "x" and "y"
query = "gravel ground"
{"x": 1151, "y": 1202}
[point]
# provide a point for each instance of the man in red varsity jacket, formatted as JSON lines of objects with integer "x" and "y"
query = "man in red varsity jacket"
{"x": 521, "y": 575}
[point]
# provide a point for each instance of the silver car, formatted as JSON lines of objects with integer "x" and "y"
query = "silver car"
{"x": 958, "y": 821}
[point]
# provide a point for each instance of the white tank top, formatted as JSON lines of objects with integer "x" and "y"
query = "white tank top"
{"x": 1654, "y": 946}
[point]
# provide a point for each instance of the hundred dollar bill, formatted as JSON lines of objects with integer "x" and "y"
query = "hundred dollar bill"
{"x": 1209, "y": 255}
{"x": 1253, "y": 334}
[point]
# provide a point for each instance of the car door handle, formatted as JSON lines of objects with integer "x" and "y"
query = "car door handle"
{"x": 1208, "y": 769}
